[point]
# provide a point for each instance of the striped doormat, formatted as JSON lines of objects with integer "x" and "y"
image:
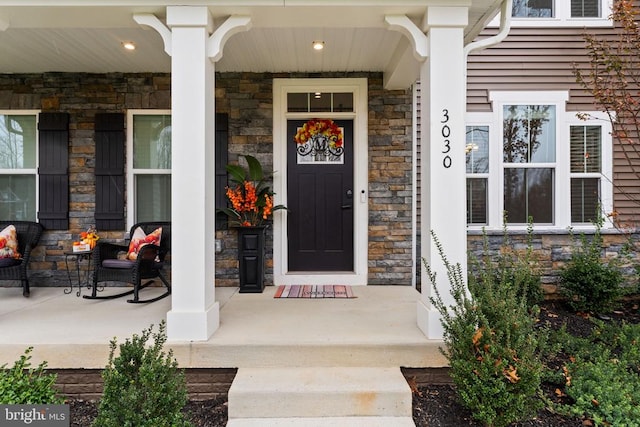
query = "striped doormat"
{"x": 314, "y": 291}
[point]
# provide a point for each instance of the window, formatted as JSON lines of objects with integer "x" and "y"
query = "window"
{"x": 545, "y": 9}
{"x": 586, "y": 161}
{"x": 585, "y": 9}
{"x": 477, "y": 159}
{"x": 531, "y": 158}
{"x": 18, "y": 165}
{"x": 149, "y": 165}
{"x": 529, "y": 155}
{"x": 563, "y": 13}
{"x": 316, "y": 102}
{"x": 532, "y": 9}
{"x": 148, "y": 161}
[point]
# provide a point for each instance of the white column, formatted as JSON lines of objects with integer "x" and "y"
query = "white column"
{"x": 194, "y": 314}
{"x": 443, "y": 202}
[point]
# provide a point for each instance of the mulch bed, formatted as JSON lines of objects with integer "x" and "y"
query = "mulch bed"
{"x": 433, "y": 405}
{"x": 202, "y": 413}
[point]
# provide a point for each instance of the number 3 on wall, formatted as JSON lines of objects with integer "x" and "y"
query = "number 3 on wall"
{"x": 446, "y": 143}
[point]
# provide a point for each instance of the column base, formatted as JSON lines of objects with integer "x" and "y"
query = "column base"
{"x": 193, "y": 326}
{"x": 429, "y": 321}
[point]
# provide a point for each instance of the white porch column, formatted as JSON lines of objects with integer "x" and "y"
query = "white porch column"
{"x": 443, "y": 201}
{"x": 194, "y": 314}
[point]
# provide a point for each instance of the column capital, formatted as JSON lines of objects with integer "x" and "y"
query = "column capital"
{"x": 445, "y": 16}
{"x": 189, "y": 16}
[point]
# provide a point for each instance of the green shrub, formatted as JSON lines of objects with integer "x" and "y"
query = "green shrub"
{"x": 491, "y": 344}
{"x": 603, "y": 374}
{"x": 511, "y": 266}
{"x": 588, "y": 282}
{"x": 605, "y": 392}
{"x": 143, "y": 386}
{"x": 22, "y": 384}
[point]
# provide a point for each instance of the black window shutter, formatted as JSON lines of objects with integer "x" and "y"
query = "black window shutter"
{"x": 222, "y": 158}
{"x": 53, "y": 170}
{"x": 109, "y": 171}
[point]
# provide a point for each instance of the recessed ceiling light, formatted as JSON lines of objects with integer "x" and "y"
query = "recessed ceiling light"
{"x": 129, "y": 45}
{"x": 318, "y": 44}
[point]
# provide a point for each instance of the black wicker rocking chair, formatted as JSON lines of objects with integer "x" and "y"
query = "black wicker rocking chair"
{"x": 28, "y": 233}
{"x": 140, "y": 272}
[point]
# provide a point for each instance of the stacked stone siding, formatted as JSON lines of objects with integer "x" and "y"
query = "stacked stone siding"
{"x": 390, "y": 185}
{"x": 82, "y": 96}
{"x": 248, "y": 100}
{"x": 551, "y": 252}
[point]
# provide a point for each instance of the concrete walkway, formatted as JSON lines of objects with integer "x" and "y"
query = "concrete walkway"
{"x": 376, "y": 329}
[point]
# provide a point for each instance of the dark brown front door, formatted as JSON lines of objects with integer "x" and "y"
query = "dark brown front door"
{"x": 320, "y": 198}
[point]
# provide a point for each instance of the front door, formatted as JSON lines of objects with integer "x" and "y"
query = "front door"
{"x": 320, "y": 195}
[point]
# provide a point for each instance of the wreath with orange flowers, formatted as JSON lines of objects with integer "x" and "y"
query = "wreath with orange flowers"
{"x": 319, "y": 134}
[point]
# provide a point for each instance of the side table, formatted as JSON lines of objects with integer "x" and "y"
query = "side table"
{"x": 82, "y": 275}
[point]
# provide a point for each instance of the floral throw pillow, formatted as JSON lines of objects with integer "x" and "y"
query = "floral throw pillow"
{"x": 9, "y": 242}
{"x": 139, "y": 239}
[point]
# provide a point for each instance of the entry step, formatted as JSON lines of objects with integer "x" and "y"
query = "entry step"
{"x": 324, "y": 422}
{"x": 319, "y": 392}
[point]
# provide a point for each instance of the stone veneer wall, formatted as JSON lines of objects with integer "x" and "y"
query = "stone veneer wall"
{"x": 82, "y": 96}
{"x": 390, "y": 185}
{"x": 248, "y": 99}
{"x": 551, "y": 252}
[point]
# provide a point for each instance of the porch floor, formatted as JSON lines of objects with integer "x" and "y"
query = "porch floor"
{"x": 378, "y": 328}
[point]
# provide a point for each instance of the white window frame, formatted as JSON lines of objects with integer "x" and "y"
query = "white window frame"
{"x": 562, "y": 186}
{"x": 30, "y": 171}
{"x": 563, "y": 17}
{"x": 131, "y": 172}
{"x": 601, "y": 119}
{"x": 484, "y": 120}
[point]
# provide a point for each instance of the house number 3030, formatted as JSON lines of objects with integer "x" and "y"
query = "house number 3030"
{"x": 446, "y": 143}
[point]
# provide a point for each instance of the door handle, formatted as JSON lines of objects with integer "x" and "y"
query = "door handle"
{"x": 346, "y": 206}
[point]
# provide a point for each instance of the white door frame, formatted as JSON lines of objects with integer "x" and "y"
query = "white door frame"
{"x": 357, "y": 86}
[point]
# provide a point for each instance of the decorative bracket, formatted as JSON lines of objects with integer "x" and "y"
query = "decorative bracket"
{"x": 417, "y": 38}
{"x": 152, "y": 21}
{"x": 233, "y": 24}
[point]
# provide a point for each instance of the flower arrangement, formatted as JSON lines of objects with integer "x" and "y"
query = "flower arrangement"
{"x": 326, "y": 128}
{"x": 250, "y": 197}
{"x": 88, "y": 240}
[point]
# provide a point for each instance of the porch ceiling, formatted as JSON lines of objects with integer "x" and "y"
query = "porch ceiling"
{"x": 85, "y": 36}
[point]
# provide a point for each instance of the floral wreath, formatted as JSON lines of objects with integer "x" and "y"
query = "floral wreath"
{"x": 322, "y": 127}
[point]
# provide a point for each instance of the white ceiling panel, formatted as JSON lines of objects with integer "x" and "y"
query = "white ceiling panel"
{"x": 86, "y": 35}
{"x": 289, "y": 49}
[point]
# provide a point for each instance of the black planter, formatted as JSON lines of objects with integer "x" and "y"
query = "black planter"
{"x": 251, "y": 241}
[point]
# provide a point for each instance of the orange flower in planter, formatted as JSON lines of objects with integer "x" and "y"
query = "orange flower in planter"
{"x": 251, "y": 198}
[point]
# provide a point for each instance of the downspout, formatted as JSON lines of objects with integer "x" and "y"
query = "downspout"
{"x": 505, "y": 26}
